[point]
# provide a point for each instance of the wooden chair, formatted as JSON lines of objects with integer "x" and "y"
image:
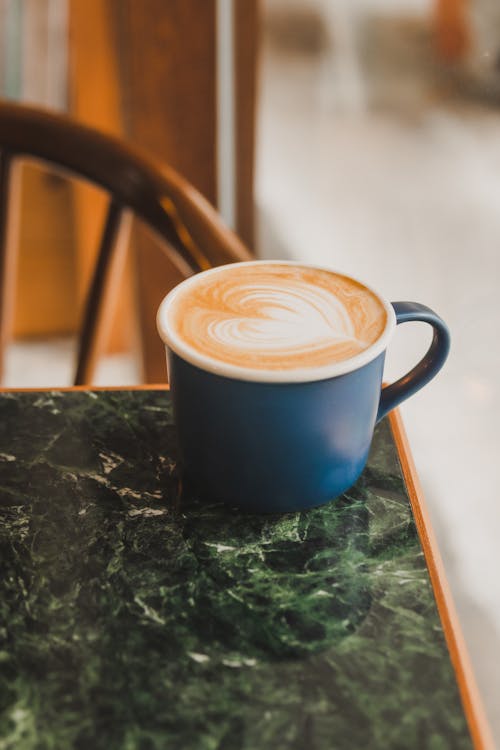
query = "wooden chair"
{"x": 193, "y": 235}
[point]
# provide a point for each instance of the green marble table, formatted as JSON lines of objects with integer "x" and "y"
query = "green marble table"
{"x": 133, "y": 617}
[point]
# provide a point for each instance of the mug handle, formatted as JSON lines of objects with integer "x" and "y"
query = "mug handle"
{"x": 429, "y": 365}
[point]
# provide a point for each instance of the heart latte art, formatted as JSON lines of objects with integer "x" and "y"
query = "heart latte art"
{"x": 275, "y": 316}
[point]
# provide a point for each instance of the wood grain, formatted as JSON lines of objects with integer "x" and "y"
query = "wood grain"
{"x": 46, "y": 284}
{"x": 167, "y": 67}
{"x": 95, "y": 98}
{"x": 154, "y": 63}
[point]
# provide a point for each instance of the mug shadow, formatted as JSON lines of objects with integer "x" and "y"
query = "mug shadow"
{"x": 290, "y": 585}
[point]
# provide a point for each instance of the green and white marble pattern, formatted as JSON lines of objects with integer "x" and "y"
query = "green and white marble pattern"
{"x": 132, "y": 618}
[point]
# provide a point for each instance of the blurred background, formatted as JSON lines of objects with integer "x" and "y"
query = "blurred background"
{"x": 363, "y": 135}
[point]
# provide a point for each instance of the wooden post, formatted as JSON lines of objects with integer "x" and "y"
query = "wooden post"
{"x": 246, "y": 41}
{"x": 151, "y": 74}
{"x": 167, "y": 76}
{"x": 95, "y": 98}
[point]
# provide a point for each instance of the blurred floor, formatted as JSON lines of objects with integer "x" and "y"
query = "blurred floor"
{"x": 45, "y": 364}
{"x": 403, "y": 190}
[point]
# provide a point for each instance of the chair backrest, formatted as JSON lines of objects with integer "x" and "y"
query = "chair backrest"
{"x": 194, "y": 236}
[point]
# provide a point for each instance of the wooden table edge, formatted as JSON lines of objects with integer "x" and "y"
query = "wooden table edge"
{"x": 471, "y": 700}
{"x": 68, "y": 388}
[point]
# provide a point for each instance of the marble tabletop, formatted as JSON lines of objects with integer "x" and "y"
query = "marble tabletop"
{"x": 134, "y": 616}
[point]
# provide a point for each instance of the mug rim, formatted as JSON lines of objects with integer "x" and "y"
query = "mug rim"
{"x": 295, "y": 375}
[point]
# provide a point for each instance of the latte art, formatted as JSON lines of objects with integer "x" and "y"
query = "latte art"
{"x": 289, "y": 320}
{"x": 275, "y": 316}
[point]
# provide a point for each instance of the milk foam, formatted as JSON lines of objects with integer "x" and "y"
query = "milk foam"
{"x": 276, "y": 316}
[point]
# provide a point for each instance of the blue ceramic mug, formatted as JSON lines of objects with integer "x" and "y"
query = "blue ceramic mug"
{"x": 277, "y": 441}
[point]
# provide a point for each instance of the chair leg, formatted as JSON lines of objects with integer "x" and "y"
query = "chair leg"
{"x": 9, "y": 229}
{"x": 102, "y": 291}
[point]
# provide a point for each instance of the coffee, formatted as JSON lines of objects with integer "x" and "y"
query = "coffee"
{"x": 275, "y": 316}
{"x": 275, "y": 371}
